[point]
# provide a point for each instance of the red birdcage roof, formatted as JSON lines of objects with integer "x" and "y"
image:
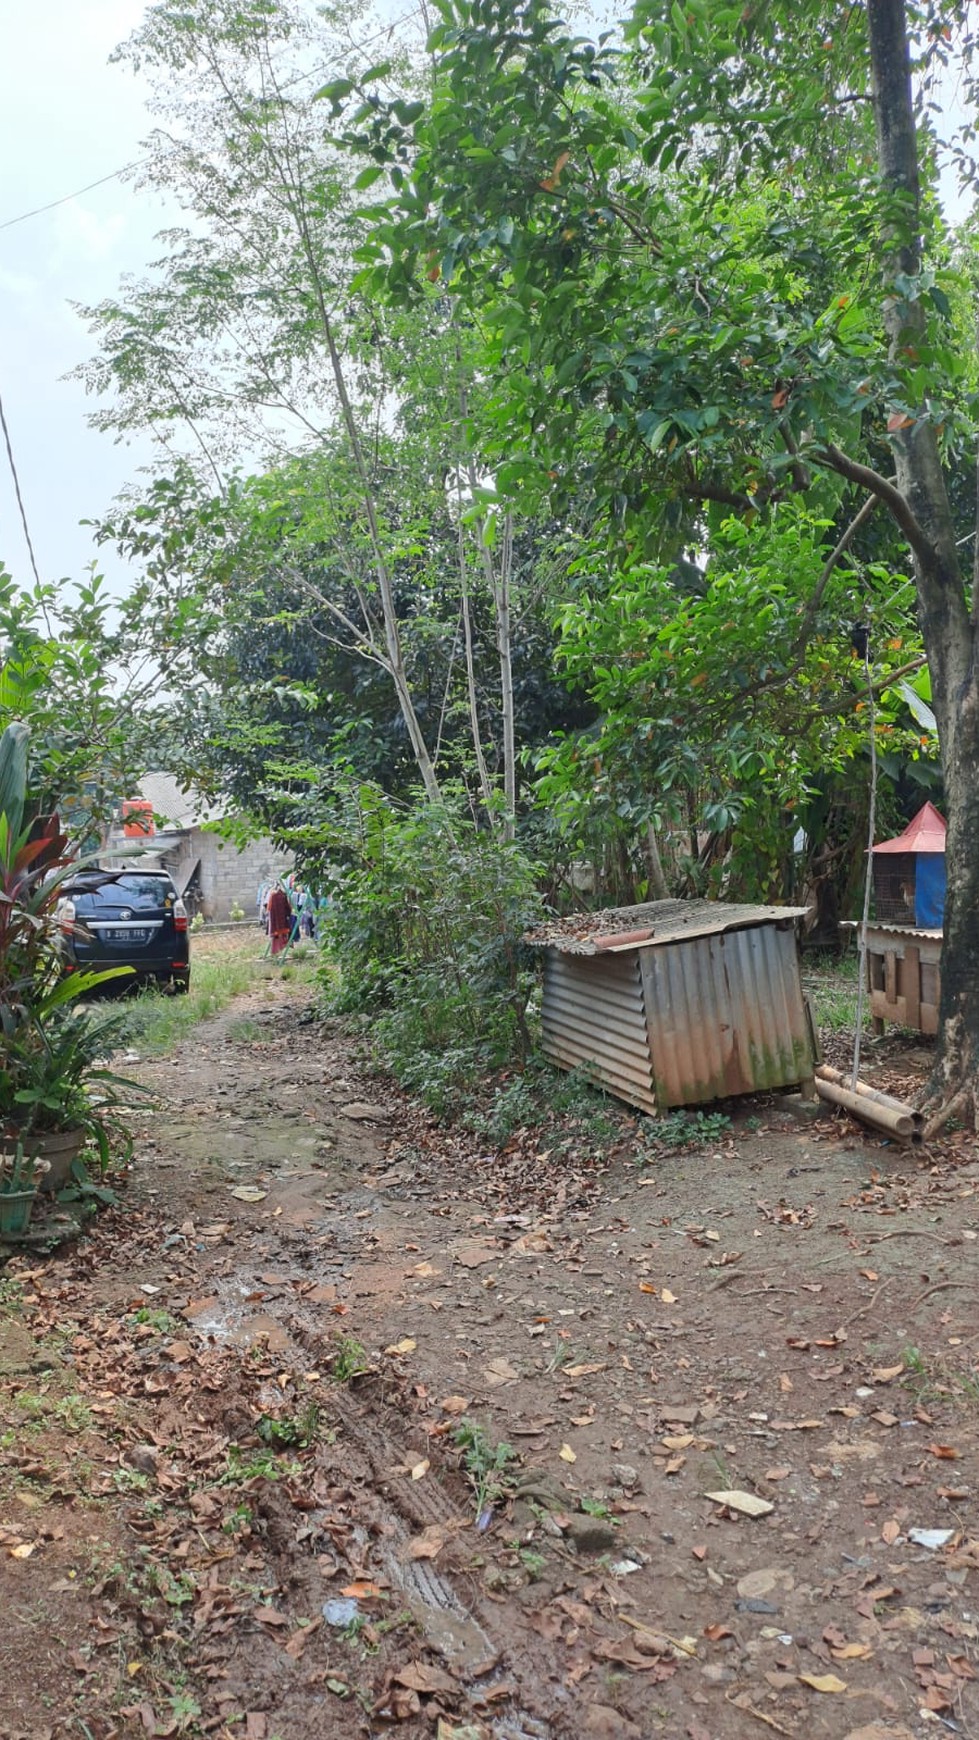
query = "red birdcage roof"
{"x": 924, "y": 833}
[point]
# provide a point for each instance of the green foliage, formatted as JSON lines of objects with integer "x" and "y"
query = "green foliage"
{"x": 54, "y": 1074}
{"x": 245, "y": 1465}
{"x": 700, "y": 693}
{"x": 285, "y": 1432}
{"x": 71, "y": 666}
{"x": 540, "y": 1096}
{"x": 488, "y": 1467}
{"x": 349, "y": 1361}
{"x": 685, "y": 1130}
{"x": 426, "y": 928}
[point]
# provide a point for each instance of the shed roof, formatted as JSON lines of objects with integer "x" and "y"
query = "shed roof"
{"x": 924, "y": 833}
{"x": 651, "y": 923}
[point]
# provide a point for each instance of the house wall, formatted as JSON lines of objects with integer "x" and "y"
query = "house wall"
{"x": 227, "y": 874}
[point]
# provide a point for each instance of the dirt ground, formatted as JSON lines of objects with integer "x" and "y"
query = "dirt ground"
{"x": 236, "y": 1420}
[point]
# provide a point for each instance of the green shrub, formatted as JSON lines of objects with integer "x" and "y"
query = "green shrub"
{"x": 425, "y": 928}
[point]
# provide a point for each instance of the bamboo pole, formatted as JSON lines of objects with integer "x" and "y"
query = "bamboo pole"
{"x": 895, "y": 1123}
{"x": 826, "y": 1072}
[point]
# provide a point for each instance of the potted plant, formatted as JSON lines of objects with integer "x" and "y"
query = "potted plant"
{"x": 20, "y": 1174}
{"x": 57, "y": 1092}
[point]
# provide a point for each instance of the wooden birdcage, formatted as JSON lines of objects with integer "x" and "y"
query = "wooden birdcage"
{"x": 904, "y": 940}
{"x": 909, "y": 873}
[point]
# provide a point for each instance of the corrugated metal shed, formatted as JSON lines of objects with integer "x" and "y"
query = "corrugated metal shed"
{"x": 677, "y": 1002}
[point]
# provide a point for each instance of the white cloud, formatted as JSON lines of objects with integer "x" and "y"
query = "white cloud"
{"x": 81, "y": 232}
{"x": 18, "y": 284}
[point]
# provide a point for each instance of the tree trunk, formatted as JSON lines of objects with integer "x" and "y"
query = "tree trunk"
{"x": 658, "y": 889}
{"x": 485, "y": 783}
{"x": 504, "y": 647}
{"x": 948, "y": 630}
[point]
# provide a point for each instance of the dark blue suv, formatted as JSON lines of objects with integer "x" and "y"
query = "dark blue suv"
{"x": 127, "y": 918}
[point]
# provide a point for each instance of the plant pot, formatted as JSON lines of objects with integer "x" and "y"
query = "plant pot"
{"x": 57, "y": 1147}
{"x": 15, "y": 1212}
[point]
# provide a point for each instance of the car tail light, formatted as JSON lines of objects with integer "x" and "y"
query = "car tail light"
{"x": 179, "y": 915}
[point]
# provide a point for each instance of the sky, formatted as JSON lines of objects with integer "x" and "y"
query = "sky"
{"x": 67, "y": 118}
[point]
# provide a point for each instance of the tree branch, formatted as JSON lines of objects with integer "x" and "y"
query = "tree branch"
{"x": 846, "y": 538}
{"x": 886, "y": 491}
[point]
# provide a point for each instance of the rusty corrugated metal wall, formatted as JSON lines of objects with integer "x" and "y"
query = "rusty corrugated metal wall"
{"x": 594, "y": 1020}
{"x": 683, "y": 1022}
{"x": 726, "y": 1015}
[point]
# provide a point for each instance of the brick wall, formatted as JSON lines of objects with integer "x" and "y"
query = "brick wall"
{"x": 228, "y": 874}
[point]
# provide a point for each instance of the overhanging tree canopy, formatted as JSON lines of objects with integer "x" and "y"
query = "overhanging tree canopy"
{"x": 718, "y": 259}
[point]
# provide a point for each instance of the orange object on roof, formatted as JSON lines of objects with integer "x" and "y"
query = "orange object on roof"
{"x": 924, "y": 833}
{"x": 137, "y": 819}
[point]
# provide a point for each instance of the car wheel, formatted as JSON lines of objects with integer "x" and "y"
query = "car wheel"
{"x": 182, "y": 984}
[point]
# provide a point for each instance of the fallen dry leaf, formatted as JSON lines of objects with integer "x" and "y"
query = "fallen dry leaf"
{"x": 420, "y": 1469}
{"x": 885, "y": 1374}
{"x": 823, "y": 1682}
{"x": 499, "y": 1371}
{"x": 406, "y": 1345}
{"x": 472, "y": 1254}
{"x": 746, "y": 1503}
{"x": 420, "y": 1676}
{"x": 667, "y": 1297}
{"x": 567, "y": 1454}
{"x": 429, "y": 1543}
{"x": 532, "y": 1241}
{"x": 944, "y": 1452}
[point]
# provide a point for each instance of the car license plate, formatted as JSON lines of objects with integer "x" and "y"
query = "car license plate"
{"x": 127, "y": 934}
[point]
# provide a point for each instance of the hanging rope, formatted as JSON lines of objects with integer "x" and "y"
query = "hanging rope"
{"x": 871, "y": 830}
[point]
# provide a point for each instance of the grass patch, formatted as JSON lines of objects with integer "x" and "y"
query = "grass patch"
{"x": 832, "y": 992}
{"x": 223, "y": 966}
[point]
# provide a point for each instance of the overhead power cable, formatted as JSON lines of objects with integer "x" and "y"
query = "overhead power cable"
{"x": 138, "y": 162}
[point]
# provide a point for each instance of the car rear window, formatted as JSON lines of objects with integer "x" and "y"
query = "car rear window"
{"x": 128, "y": 890}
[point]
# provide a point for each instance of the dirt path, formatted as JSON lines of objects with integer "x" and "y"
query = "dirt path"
{"x": 234, "y": 1499}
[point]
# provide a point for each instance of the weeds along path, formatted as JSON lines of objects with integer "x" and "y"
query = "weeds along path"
{"x": 343, "y": 1424}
